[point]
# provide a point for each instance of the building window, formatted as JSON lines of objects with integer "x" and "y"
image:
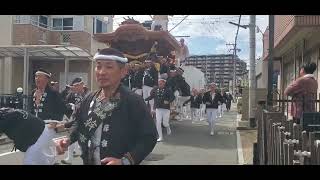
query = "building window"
{"x": 60, "y": 24}
{"x": 99, "y": 26}
{"x": 57, "y": 24}
{"x": 43, "y": 21}
{"x": 34, "y": 20}
{"x": 67, "y": 23}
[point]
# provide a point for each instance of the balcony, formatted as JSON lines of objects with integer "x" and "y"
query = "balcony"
{"x": 287, "y": 28}
{"x": 36, "y": 30}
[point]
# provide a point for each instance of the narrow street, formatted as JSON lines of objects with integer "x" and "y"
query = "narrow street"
{"x": 189, "y": 144}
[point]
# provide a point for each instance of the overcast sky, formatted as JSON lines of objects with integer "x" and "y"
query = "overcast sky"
{"x": 209, "y": 34}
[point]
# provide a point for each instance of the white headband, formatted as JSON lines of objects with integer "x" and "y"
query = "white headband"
{"x": 162, "y": 80}
{"x": 41, "y": 72}
{"x": 110, "y": 57}
{"x": 77, "y": 83}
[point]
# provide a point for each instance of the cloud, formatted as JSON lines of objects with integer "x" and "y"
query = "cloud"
{"x": 222, "y": 49}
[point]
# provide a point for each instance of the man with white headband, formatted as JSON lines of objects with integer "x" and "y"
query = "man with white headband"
{"x": 212, "y": 100}
{"x": 112, "y": 125}
{"x": 150, "y": 80}
{"x": 46, "y": 103}
{"x": 162, "y": 96}
{"x": 137, "y": 79}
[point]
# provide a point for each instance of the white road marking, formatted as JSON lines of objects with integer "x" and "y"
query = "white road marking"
{"x": 7, "y": 153}
{"x": 239, "y": 145}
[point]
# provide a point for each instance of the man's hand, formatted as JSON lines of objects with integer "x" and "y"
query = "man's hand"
{"x": 62, "y": 145}
{"x": 111, "y": 161}
{"x": 72, "y": 106}
{"x": 59, "y": 126}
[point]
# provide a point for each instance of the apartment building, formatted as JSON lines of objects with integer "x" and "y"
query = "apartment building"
{"x": 73, "y": 32}
{"x": 296, "y": 42}
{"x": 219, "y": 68}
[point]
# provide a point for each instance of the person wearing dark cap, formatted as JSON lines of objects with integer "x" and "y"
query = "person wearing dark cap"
{"x": 54, "y": 85}
{"x": 212, "y": 99}
{"x": 184, "y": 92}
{"x": 78, "y": 92}
{"x": 171, "y": 83}
{"x": 30, "y": 135}
{"x": 112, "y": 125}
{"x": 137, "y": 79}
{"x": 74, "y": 99}
{"x": 150, "y": 80}
{"x": 195, "y": 100}
{"x": 163, "y": 97}
{"x": 229, "y": 99}
{"x": 65, "y": 92}
{"x": 127, "y": 80}
{"x": 164, "y": 67}
{"x": 46, "y": 103}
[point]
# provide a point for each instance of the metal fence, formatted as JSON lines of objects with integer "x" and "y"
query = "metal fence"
{"x": 307, "y": 102}
{"x": 13, "y": 101}
{"x": 280, "y": 140}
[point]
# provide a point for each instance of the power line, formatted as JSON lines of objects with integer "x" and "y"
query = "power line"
{"x": 179, "y": 23}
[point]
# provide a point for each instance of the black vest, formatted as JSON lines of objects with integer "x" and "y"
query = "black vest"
{"x": 131, "y": 130}
{"x": 150, "y": 77}
{"x": 212, "y": 103}
{"x": 20, "y": 126}
{"x": 137, "y": 79}
{"x": 195, "y": 101}
{"x": 162, "y": 97}
{"x": 51, "y": 106}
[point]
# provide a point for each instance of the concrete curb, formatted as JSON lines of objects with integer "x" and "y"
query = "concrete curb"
{"x": 239, "y": 145}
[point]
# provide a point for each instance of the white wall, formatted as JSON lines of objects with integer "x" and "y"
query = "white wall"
{"x": 6, "y": 64}
{"x": 262, "y": 68}
{"x": 1, "y": 75}
{"x": 88, "y": 22}
{"x": 194, "y": 77}
{"x": 6, "y": 29}
{"x": 259, "y": 67}
{"x": 95, "y": 45}
{"x": 7, "y": 74}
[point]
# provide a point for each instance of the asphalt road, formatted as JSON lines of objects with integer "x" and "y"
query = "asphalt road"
{"x": 189, "y": 144}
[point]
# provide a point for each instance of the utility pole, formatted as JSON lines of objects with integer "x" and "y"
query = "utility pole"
{"x": 205, "y": 58}
{"x": 234, "y": 53}
{"x": 270, "y": 61}
{"x": 252, "y": 73}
